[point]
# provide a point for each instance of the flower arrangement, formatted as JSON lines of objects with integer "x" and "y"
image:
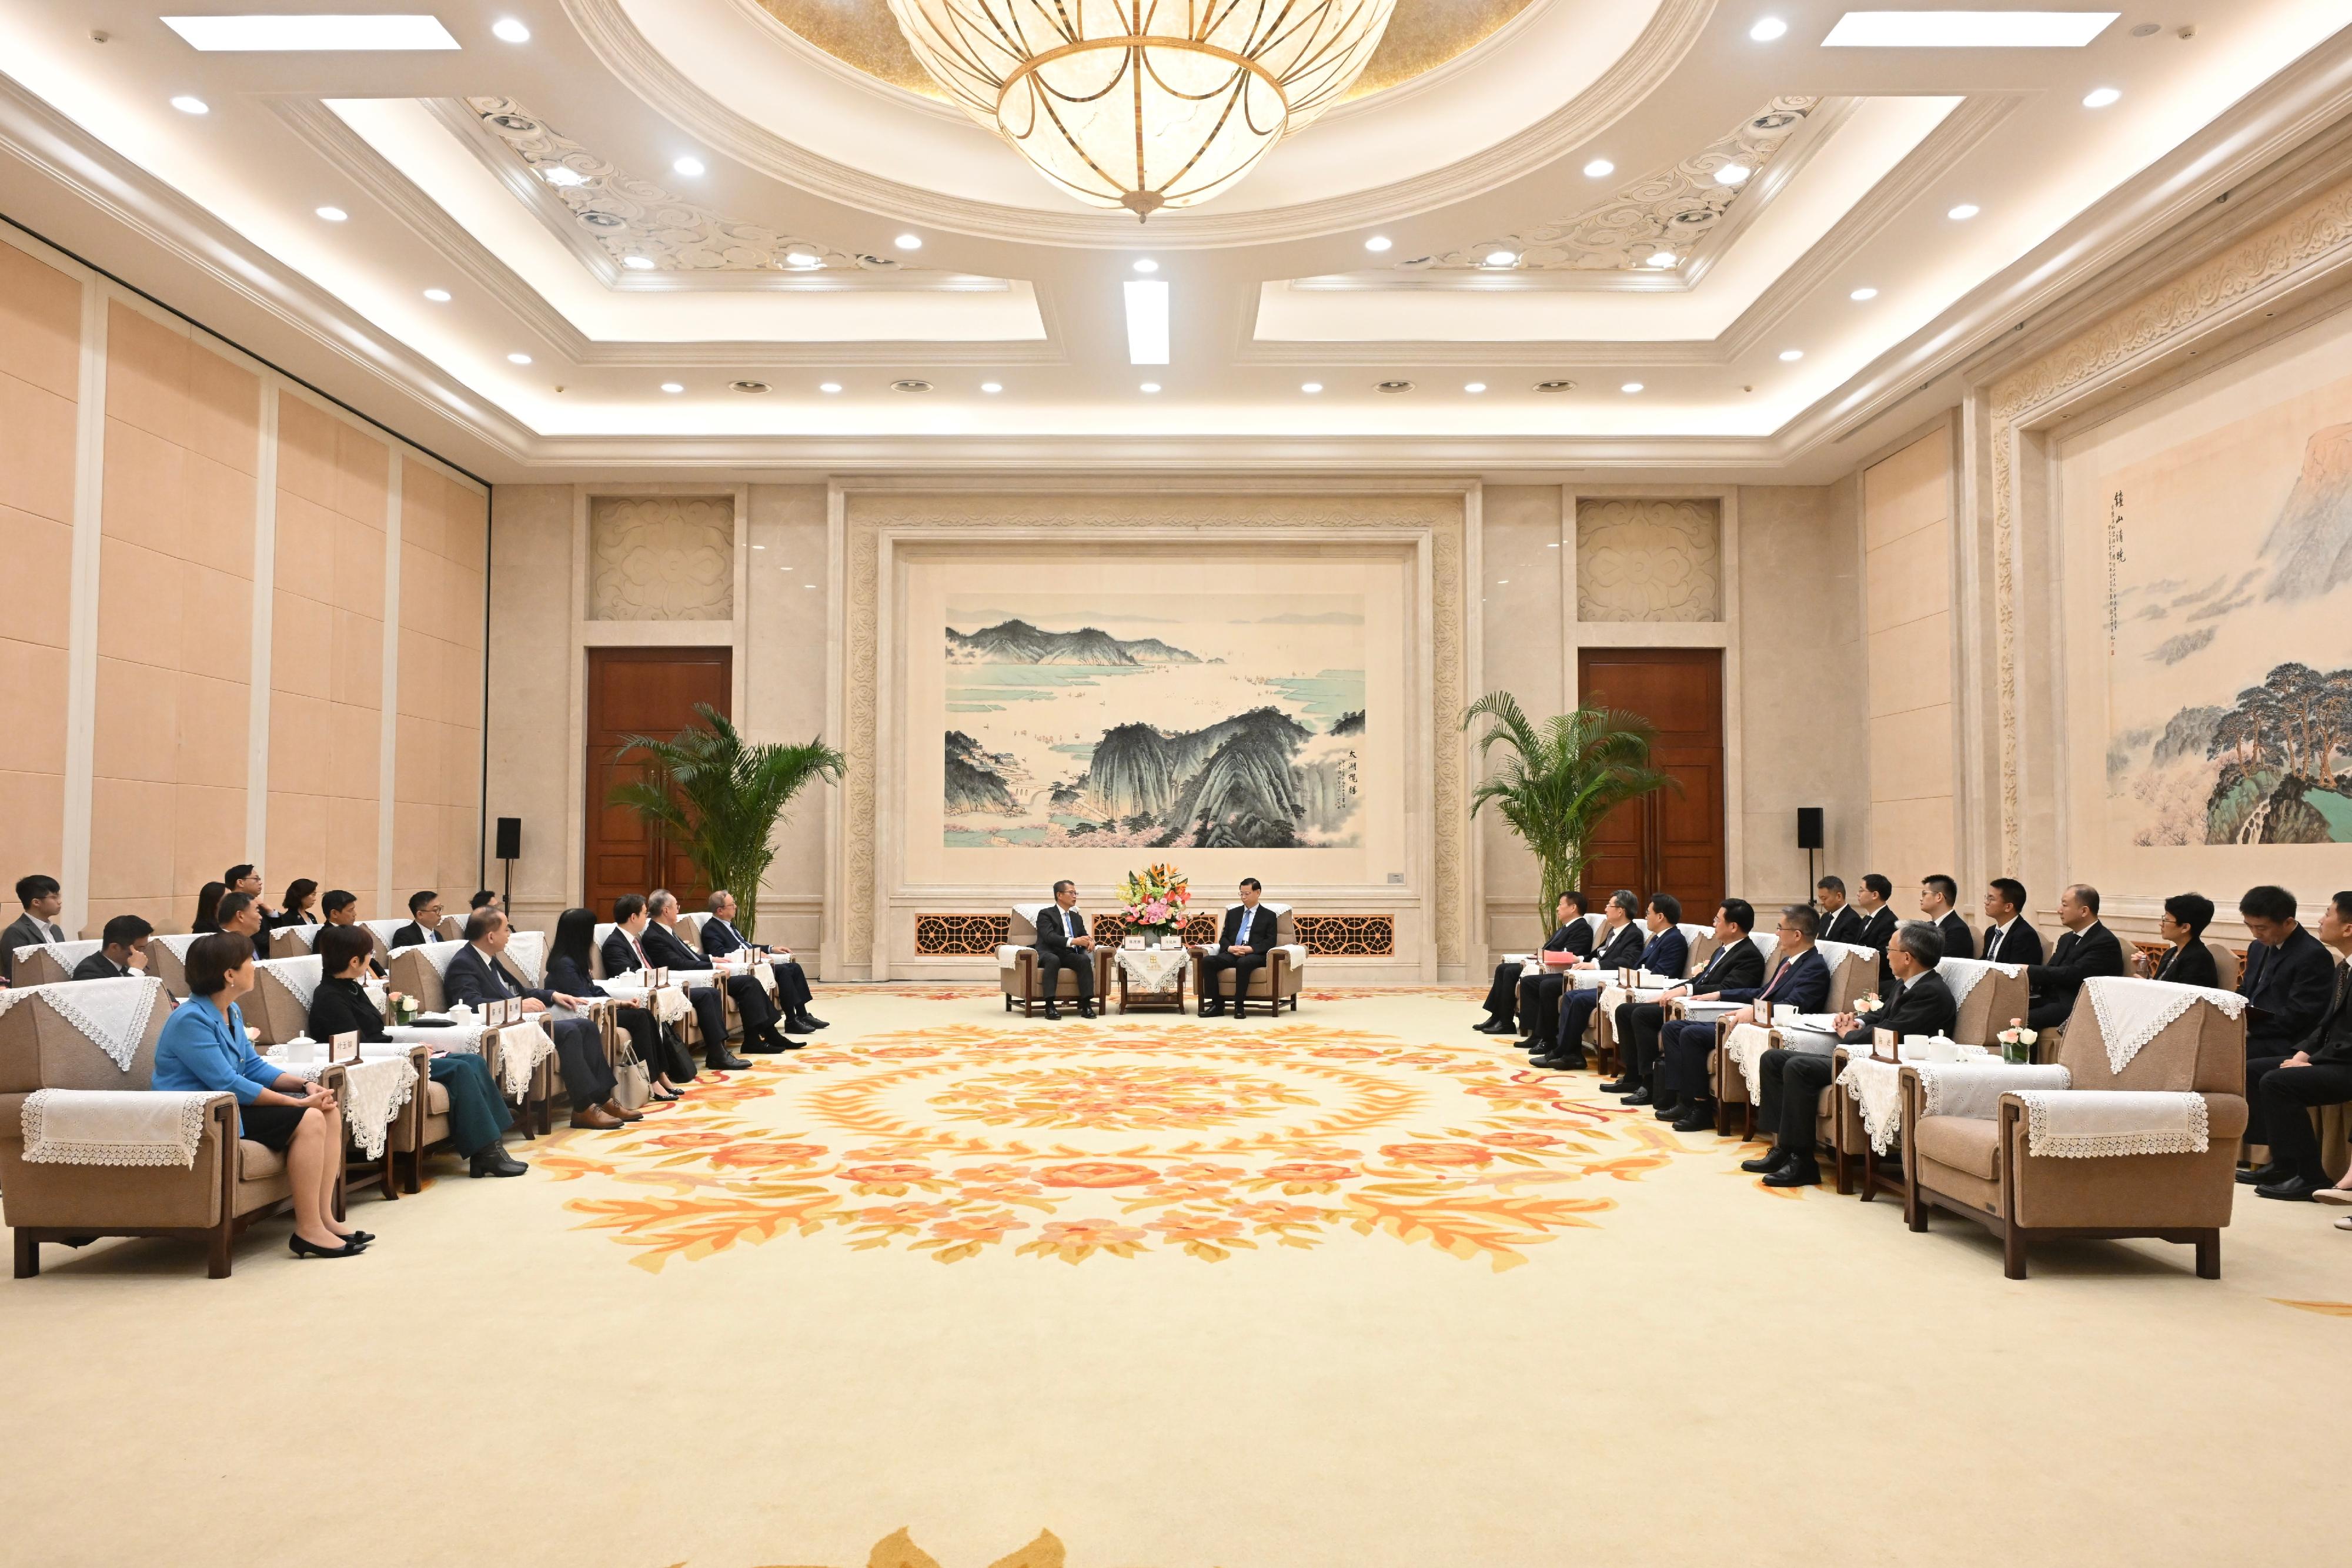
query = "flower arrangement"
{"x": 1863, "y": 1005}
{"x": 2017, "y": 1042}
{"x": 1152, "y": 900}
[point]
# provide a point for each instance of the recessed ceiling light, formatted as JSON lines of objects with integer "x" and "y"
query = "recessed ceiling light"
{"x": 911, "y": 384}
{"x": 1663, "y": 258}
{"x": 518, "y": 359}
{"x": 829, "y": 386}
{"x": 1963, "y": 212}
{"x": 1151, "y": 386}
{"x": 1378, "y": 243}
{"x": 908, "y": 242}
{"x": 1474, "y": 386}
{"x": 1631, "y": 387}
{"x": 1392, "y": 388}
{"x": 1767, "y": 29}
{"x": 1967, "y": 29}
{"x": 1733, "y": 174}
{"x": 2148, "y": 30}
{"x": 1864, "y": 294}
{"x": 637, "y": 263}
{"x": 309, "y": 35}
{"x": 691, "y": 168}
{"x": 2100, "y": 97}
{"x": 1145, "y": 264}
{"x": 1310, "y": 386}
{"x": 803, "y": 258}
{"x": 1600, "y": 169}
{"x": 754, "y": 388}
{"x": 673, "y": 387}
{"x": 334, "y": 214}
{"x": 439, "y": 296}
{"x": 561, "y": 174}
{"x": 1554, "y": 386}
{"x": 1146, "y": 321}
{"x": 1790, "y": 356}
{"x": 506, "y": 30}
{"x": 810, "y": 586}
{"x": 1501, "y": 257}
{"x": 187, "y": 105}
{"x": 992, "y": 387}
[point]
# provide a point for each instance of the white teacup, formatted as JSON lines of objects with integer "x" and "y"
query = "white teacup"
{"x": 301, "y": 1050}
{"x": 1930, "y": 1047}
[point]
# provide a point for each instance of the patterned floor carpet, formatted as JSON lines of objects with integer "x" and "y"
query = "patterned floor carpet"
{"x": 1351, "y": 1289}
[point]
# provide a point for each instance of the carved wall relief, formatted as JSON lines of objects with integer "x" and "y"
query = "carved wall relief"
{"x": 1649, "y": 560}
{"x": 661, "y": 558}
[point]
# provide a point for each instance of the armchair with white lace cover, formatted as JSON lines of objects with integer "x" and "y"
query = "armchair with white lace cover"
{"x": 1016, "y": 964}
{"x": 1854, "y": 974}
{"x": 1279, "y": 980}
{"x": 2132, "y": 1132}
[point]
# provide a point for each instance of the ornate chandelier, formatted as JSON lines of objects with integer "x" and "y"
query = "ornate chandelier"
{"x": 1143, "y": 104}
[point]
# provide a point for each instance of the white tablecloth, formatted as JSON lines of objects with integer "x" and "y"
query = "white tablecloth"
{"x": 521, "y": 1048}
{"x": 1950, "y": 1087}
{"x": 1152, "y": 968}
{"x": 376, "y": 1088}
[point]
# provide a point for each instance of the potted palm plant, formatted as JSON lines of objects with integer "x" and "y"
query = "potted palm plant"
{"x": 719, "y": 799}
{"x": 1558, "y": 779}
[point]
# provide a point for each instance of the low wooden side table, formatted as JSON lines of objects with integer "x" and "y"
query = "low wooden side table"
{"x": 1153, "y": 969}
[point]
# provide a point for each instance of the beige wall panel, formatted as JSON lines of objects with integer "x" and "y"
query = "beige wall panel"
{"x": 1908, "y": 491}
{"x": 39, "y": 553}
{"x": 1909, "y": 578}
{"x": 783, "y": 687}
{"x": 298, "y": 839}
{"x": 214, "y": 724}
{"x": 362, "y": 470}
{"x": 40, "y": 367}
{"x": 131, "y": 862}
{"x": 1524, "y": 627}
{"x": 1914, "y": 840}
{"x": 40, "y": 324}
{"x": 223, "y": 417}
{"x": 1911, "y": 754}
{"x": 209, "y": 837}
{"x": 301, "y": 646}
{"x": 1911, "y": 665}
{"x": 33, "y": 815}
{"x": 529, "y": 665}
{"x": 37, "y": 449}
{"x": 216, "y": 624}
{"x": 144, "y": 498}
{"x": 305, "y": 452}
{"x": 1911, "y": 767}
{"x": 139, "y": 604}
{"x": 147, "y": 374}
{"x": 217, "y": 516}
{"x": 305, "y": 562}
{"x": 31, "y": 711}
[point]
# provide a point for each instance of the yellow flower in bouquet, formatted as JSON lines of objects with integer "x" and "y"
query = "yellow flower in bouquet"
{"x": 1153, "y": 899}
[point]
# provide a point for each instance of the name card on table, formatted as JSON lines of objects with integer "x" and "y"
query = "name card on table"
{"x": 344, "y": 1047}
{"x": 1883, "y": 1047}
{"x": 514, "y": 1009}
{"x": 1135, "y": 943}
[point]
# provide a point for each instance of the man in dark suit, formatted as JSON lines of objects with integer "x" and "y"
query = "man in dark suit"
{"x": 1507, "y": 997}
{"x": 1063, "y": 943}
{"x": 2289, "y": 976}
{"x": 476, "y": 976}
{"x": 1789, "y": 1083}
{"x": 42, "y": 899}
{"x": 1839, "y": 922}
{"x": 339, "y": 907}
{"x": 1938, "y": 894}
{"x": 1242, "y": 947}
{"x": 1877, "y": 923}
{"x": 423, "y": 921}
{"x": 665, "y": 949}
{"x": 1538, "y": 994}
{"x": 2009, "y": 938}
{"x": 246, "y": 880}
{"x": 625, "y": 954}
{"x": 1618, "y": 943}
{"x": 2281, "y": 1090}
{"x": 719, "y": 938}
{"x": 123, "y": 952}
{"x": 2087, "y": 950}
{"x": 1734, "y": 964}
{"x": 1800, "y": 979}
{"x": 1667, "y": 952}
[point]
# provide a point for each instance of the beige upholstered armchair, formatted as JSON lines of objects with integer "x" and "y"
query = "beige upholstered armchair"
{"x": 49, "y": 963}
{"x": 1607, "y": 1057}
{"x": 1279, "y": 979}
{"x": 1853, "y": 972}
{"x": 415, "y": 973}
{"x": 1016, "y": 965}
{"x": 2088, "y": 1155}
{"x": 229, "y": 1184}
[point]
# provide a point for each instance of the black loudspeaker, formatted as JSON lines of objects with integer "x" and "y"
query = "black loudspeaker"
{"x": 1809, "y": 829}
{"x": 510, "y": 837}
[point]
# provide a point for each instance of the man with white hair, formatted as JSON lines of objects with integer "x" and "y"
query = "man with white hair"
{"x": 667, "y": 949}
{"x": 720, "y": 938}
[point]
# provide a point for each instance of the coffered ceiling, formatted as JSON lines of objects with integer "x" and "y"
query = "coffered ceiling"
{"x": 1541, "y": 235}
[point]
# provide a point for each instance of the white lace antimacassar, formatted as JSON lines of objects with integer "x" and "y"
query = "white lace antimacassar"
{"x": 374, "y": 1090}
{"x": 526, "y": 952}
{"x": 178, "y": 941}
{"x": 1962, "y": 975}
{"x": 66, "y": 953}
{"x": 113, "y": 1126}
{"x": 438, "y": 955}
{"x": 2092, "y": 1123}
{"x": 2133, "y": 1012}
{"x": 112, "y": 1013}
{"x": 299, "y": 976}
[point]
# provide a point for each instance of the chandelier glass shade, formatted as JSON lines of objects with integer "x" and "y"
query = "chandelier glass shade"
{"x": 1143, "y": 104}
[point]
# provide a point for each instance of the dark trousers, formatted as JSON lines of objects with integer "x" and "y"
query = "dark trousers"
{"x": 2282, "y": 1102}
{"x": 1539, "y": 1005}
{"x": 1683, "y": 1049}
{"x": 752, "y": 1003}
{"x": 792, "y": 987}
{"x": 1576, "y": 1010}
{"x": 1079, "y": 961}
{"x": 710, "y": 1017}
{"x": 579, "y": 1053}
{"x": 1788, "y": 1095}
{"x": 1502, "y": 997}
{"x": 1637, "y": 1025}
{"x": 1212, "y": 976}
{"x": 478, "y": 1111}
{"x": 2050, "y": 1012}
{"x": 659, "y": 1048}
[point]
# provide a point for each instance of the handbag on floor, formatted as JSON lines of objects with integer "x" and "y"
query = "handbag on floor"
{"x": 633, "y": 1086}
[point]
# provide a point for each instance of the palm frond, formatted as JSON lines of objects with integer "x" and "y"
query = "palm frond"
{"x": 1555, "y": 781}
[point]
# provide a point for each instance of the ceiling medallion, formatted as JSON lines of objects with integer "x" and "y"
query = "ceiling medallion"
{"x": 1143, "y": 104}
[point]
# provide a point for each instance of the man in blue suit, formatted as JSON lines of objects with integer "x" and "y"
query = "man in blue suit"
{"x": 1666, "y": 954}
{"x": 1801, "y": 980}
{"x": 476, "y": 974}
{"x": 1736, "y": 964}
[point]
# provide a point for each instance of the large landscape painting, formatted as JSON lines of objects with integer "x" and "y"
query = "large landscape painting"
{"x": 2230, "y": 590}
{"x": 1193, "y": 720}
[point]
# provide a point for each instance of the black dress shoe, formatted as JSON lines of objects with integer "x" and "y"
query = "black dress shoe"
{"x": 806, "y": 1023}
{"x": 1496, "y": 1026}
{"x": 1667, "y": 1110}
{"x": 1696, "y": 1119}
{"x": 726, "y": 1062}
{"x": 495, "y": 1161}
{"x": 1639, "y": 1097}
{"x": 1212, "y": 1009}
{"x": 1547, "y": 1063}
{"x": 302, "y": 1249}
{"x": 1053, "y": 1013}
{"x": 1802, "y": 1171}
{"x": 2294, "y": 1190}
{"x": 2264, "y": 1175}
{"x": 1620, "y": 1086}
{"x": 1087, "y": 1009}
{"x": 1772, "y": 1162}
{"x": 767, "y": 1045}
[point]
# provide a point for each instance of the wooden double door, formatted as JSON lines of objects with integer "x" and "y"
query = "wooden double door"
{"x": 1671, "y": 841}
{"x": 641, "y": 690}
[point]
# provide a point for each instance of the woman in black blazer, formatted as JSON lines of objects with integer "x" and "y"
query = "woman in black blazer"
{"x": 658, "y": 1047}
{"x": 2183, "y": 922}
{"x": 302, "y": 895}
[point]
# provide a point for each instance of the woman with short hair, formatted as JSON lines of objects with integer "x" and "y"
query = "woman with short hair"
{"x": 204, "y": 1047}
{"x": 2182, "y": 923}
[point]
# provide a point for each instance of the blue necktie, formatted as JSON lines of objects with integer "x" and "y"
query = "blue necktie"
{"x": 1241, "y": 937}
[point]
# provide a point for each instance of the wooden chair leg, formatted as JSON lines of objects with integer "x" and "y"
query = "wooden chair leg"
{"x": 2013, "y": 1253}
{"x": 217, "y": 1263}
{"x": 29, "y": 1255}
{"x": 2209, "y": 1254}
{"x": 1845, "y": 1171}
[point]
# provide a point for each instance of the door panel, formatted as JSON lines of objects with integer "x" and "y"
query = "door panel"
{"x": 640, "y": 691}
{"x": 1671, "y": 841}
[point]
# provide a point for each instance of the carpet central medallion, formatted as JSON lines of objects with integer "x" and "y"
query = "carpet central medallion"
{"x": 1124, "y": 1140}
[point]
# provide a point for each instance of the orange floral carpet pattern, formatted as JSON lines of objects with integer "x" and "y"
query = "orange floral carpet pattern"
{"x": 1128, "y": 1138}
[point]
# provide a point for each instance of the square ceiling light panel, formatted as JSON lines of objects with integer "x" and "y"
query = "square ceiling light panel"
{"x": 1967, "y": 29}
{"x": 295, "y": 31}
